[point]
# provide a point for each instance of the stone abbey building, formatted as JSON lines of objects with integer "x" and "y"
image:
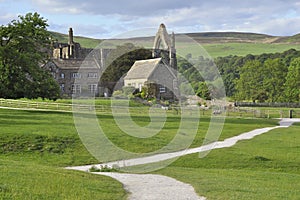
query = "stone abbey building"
{"x": 74, "y": 72}
{"x": 160, "y": 73}
{"x": 77, "y": 69}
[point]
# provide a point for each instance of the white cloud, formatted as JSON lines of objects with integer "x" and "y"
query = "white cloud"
{"x": 5, "y": 18}
{"x": 277, "y": 17}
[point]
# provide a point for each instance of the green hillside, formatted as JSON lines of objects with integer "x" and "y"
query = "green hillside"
{"x": 84, "y": 41}
{"x": 291, "y": 39}
{"x": 225, "y": 37}
{"x": 217, "y": 44}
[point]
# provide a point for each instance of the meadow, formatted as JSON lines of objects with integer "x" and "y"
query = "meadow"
{"x": 36, "y": 145}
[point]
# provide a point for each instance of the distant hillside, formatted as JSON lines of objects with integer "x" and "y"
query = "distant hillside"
{"x": 290, "y": 39}
{"x": 216, "y": 43}
{"x": 225, "y": 37}
{"x": 84, "y": 41}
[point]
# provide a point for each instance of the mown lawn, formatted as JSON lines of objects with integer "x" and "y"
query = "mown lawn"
{"x": 266, "y": 167}
{"x": 22, "y": 180}
{"x": 35, "y": 145}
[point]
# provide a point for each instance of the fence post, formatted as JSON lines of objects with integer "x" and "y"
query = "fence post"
{"x": 291, "y": 113}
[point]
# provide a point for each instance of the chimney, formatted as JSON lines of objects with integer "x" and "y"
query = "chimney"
{"x": 71, "y": 36}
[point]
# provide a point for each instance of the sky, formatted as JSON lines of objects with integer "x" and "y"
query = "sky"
{"x": 106, "y": 19}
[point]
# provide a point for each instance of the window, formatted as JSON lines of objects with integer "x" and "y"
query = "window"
{"x": 92, "y": 88}
{"x": 76, "y": 75}
{"x": 175, "y": 84}
{"x": 162, "y": 89}
{"x": 92, "y": 75}
{"x": 62, "y": 87}
{"x": 76, "y": 89}
{"x": 53, "y": 74}
{"x": 62, "y": 75}
{"x": 140, "y": 86}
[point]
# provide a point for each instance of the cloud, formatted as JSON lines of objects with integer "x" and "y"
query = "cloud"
{"x": 275, "y": 17}
{"x": 96, "y": 7}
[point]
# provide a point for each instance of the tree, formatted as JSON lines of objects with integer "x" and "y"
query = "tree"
{"x": 292, "y": 84}
{"x": 24, "y": 48}
{"x": 250, "y": 84}
{"x": 274, "y": 78}
{"x": 120, "y": 61}
{"x": 203, "y": 91}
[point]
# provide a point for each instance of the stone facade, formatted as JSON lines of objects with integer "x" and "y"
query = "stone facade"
{"x": 161, "y": 71}
{"x": 153, "y": 71}
{"x": 75, "y": 71}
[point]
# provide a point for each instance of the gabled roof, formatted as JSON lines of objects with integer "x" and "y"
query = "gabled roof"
{"x": 142, "y": 69}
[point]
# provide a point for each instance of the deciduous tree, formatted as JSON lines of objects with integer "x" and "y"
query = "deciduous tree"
{"x": 292, "y": 84}
{"x": 24, "y": 47}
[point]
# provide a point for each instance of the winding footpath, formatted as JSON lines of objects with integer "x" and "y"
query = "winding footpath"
{"x": 158, "y": 187}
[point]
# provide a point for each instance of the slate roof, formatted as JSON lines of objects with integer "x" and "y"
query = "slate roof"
{"x": 75, "y": 64}
{"x": 142, "y": 69}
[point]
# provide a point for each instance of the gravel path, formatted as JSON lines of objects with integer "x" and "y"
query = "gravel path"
{"x": 157, "y": 187}
{"x": 215, "y": 145}
{"x": 154, "y": 187}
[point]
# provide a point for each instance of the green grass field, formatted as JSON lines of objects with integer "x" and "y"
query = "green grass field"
{"x": 36, "y": 145}
{"x": 33, "y": 148}
{"x": 226, "y": 49}
{"x": 243, "y": 49}
{"x": 266, "y": 167}
{"x": 24, "y": 180}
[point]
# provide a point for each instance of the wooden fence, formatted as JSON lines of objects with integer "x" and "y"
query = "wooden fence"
{"x": 248, "y": 112}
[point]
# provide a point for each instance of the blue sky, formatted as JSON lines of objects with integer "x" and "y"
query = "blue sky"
{"x": 105, "y": 19}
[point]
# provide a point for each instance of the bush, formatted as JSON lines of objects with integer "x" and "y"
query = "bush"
{"x": 104, "y": 168}
{"x": 127, "y": 90}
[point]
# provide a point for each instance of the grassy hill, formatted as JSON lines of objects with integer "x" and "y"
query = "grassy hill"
{"x": 84, "y": 41}
{"x": 217, "y": 44}
{"x": 225, "y": 37}
{"x": 292, "y": 39}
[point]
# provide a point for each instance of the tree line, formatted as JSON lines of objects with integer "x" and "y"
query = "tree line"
{"x": 273, "y": 77}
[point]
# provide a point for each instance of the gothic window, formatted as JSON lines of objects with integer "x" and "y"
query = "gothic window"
{"x": 62, "y": 75}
